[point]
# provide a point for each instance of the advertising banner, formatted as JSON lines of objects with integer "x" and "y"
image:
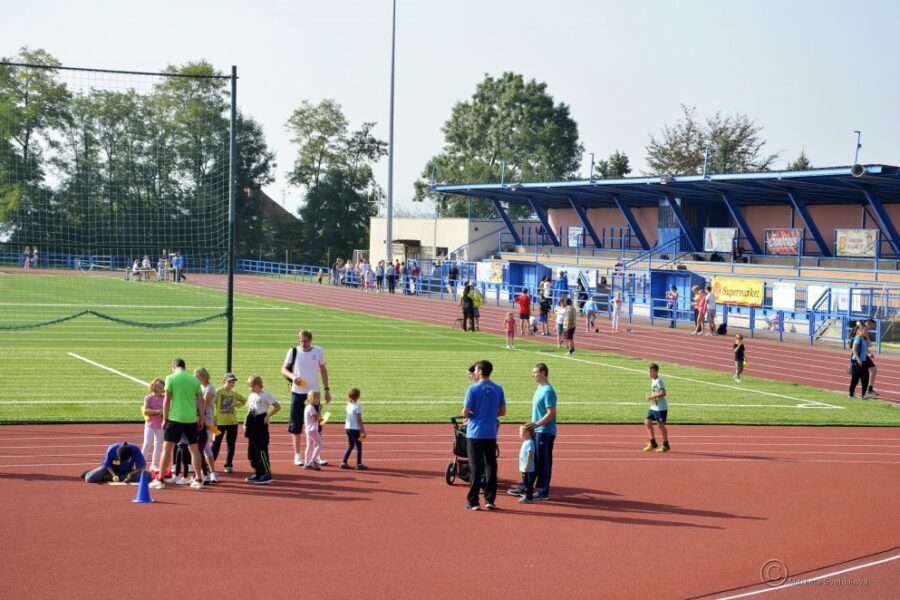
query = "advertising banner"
{"x": 489, "y": 272}
{"x": 731, "y": 290}
{"x": 784, "y": 296}
{"x": 719, "y": 239}
{"x": 855, "y": 242}
{"x": 575, "y": 234}
{"x": 783, "y": 241}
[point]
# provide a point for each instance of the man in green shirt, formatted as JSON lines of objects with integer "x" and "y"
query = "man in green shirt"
{"x": 182, "y": 416}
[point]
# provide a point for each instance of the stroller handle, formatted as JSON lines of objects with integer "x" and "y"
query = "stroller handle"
{"x": 456, "y": 418}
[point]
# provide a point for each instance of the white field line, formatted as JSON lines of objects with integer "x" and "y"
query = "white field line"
{"x": 804, "y": 582}
{"x": 131, "y": 306}
{"x": 110, "y": 369}
{"x": 802, "y": 403}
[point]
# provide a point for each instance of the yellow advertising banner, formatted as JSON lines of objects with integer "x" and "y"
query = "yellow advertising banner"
{"x": 746, "y": 292}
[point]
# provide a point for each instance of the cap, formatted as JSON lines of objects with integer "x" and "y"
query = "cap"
{"x": 229, "y": 377}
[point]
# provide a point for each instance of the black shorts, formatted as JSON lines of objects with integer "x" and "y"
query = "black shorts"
{"x": 868, "y": 363}
{"x": 298, "y": 405}
{"x": 174, "y": 430}
{"x": 524, "y": 316}
{"x": 569, "y": 334}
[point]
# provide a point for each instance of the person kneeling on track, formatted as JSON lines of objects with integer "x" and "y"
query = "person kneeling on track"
{"x": 123, "y": 462}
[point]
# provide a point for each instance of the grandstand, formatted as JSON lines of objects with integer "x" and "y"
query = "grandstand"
{"x": 820, "y": 244}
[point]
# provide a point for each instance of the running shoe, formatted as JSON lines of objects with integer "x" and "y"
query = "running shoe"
{"x": 650, "y": 446}
{"x": 664, "y": 448}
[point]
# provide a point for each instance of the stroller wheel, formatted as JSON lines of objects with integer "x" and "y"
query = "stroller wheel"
{"x": 450, "y": 473}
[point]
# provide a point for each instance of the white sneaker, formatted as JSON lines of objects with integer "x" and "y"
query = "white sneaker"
{"x": 507, "y": 346}
{"x": 737, "y": 379}
{"x": 197, "y": 484}
{"x": 157, "y": 485}
{"x": 213, "y": 478}
{"x": 298, "y": 460}
{"x": 321, "y": 461}
{"x": 181, "y": 480}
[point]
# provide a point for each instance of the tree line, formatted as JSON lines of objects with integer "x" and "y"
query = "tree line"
{"x": 78, "y": 165}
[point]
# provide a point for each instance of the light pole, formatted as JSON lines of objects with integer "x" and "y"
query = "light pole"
{"x": 389, "y": 234}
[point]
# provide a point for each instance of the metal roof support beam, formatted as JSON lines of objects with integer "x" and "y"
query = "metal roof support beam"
{"x": 738, "y": 217}
{"x": 579, "y": 210}
{"x": 509, "y": 224}
{"x": 808, "y": 222}
{"x": 543, "y": 218}
{"x": 632, "y": 222}
{"x": 886, "y": 223}
{"x": 682, "y": 222}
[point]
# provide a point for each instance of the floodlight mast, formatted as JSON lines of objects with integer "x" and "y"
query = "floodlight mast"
{"x": 388, "y": 241}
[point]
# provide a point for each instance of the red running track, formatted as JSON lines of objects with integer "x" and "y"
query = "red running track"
{"x": 818, "y": 366}
{"x": 699, "y": 521}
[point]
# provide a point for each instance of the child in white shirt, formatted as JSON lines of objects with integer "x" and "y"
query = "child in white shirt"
{"x": 356, "y": 430}
{"x": 260, "y": 408}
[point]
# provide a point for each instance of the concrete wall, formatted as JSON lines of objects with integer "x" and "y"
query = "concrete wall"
{"x": 481, "y": 235}
{"x": 599, "y": 218}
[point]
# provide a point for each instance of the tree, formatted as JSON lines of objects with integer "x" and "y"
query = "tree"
{"x": 801, "y": 163}
{"x": 736, "y": 146}
{"x": 614, "y": 167}
{"x": 334, "y": 167}
{"x": 506, "y": 120}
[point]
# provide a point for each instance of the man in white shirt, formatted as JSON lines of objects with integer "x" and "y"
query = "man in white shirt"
{"x": 303, "y": 366}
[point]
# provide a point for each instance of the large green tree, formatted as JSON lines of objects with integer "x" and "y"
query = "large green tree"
{"x": 333, "y": 166}
{"x": 507, "y": 120}
{"x": 614, "y": 167}
{"x": 736, "y": 145}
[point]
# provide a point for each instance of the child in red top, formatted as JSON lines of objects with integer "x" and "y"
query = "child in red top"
{"x": 509, "y": 324}
{"x": 524, "y": 303}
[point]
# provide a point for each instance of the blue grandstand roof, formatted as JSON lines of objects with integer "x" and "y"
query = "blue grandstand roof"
{"x": 834, "y": 185}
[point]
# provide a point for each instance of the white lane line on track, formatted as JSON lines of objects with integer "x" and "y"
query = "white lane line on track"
{"x": 105, "y": 368}
{"x": 807, "y": 581}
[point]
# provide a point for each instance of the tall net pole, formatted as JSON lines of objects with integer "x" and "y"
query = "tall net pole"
{"x": 389, "y": 245}
{"x": 232, "y": 201}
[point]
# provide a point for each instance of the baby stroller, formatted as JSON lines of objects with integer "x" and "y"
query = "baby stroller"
{"x": 459, "y": 467}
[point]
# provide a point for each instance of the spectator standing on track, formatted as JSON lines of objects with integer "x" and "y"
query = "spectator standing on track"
{"x": 672, "y": 303}
{"x": 452, "y": 279}
{"x": 710, "y": 310}
{"x": 526, "y": 464}
{"x": 659, "y": 410}
{"x": 355, "y": 428}
{"x": 260, "y": 408}
{"x": 206, "y": 434}
{"x": 476, "y": 302}
{"x": 616, "y": 310}
{"x": 379, "y": 277}
{"x": 123, "y": 462}
{"x": 311, "y": 425}
{"x": 225, "y": 418}
{"x": 738, "y": 349}
{"x": 544, "y": 315}
{"x": 390, "y": 273}
{"x": 26, "y": 258}
{"x": 695, "y": 298}
{"x": 509, "y": 325}
{"x": 468, "y": 309}
{"x": 560, "y": 313}
{"x": 872, "y": 329}
{"x": 161, "y": 269}
{"x": 181, "y": 416}
{"x": 484, "y": 405}
{"x": 303, "y": 365}
{"x": 34, "y": 257}
{"x": 858, "y": 354}
{"x": 570, "y": 320}
{"x": 543, "y": 424}
{"x": 701, "y": 312}
{"x": 152, "y": 411}
{"x": 524, "y": 303}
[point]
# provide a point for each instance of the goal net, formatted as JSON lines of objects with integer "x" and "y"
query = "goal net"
{"x": 114, "y": 194}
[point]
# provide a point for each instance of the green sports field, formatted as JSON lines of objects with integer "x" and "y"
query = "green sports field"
{"x": 408, "y": 372}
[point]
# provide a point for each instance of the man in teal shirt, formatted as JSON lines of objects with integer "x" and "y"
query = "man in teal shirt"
{"x": 543, "y": 423}
{"x": 182, "y": 415}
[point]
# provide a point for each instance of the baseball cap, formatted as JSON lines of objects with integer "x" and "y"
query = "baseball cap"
{"x": 229, "y": 377}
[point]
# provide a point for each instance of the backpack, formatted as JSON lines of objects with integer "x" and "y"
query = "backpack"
{"x": 722, "y": 329}
{"x": 290, "y": 380}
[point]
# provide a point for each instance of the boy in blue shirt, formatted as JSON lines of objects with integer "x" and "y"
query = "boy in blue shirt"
{"x": 484, "y": 405}
{"x": 526, "y": 464}
{"x": 123, "y": 462}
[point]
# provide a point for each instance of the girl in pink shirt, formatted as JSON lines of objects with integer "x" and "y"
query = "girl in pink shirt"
{"x": 701, "y": 311}
{"x": 313, "y": 437}
{"x": 153, "y": 416}
{"x": 509, "y": 324}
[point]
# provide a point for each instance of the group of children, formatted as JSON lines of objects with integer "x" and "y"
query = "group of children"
{"x": 219, "y": 410}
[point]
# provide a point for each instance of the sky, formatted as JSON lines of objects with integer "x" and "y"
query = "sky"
{"x": 808, "y": 72}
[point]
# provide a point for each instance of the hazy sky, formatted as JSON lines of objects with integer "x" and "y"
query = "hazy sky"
{"x": 809, "y": 72}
